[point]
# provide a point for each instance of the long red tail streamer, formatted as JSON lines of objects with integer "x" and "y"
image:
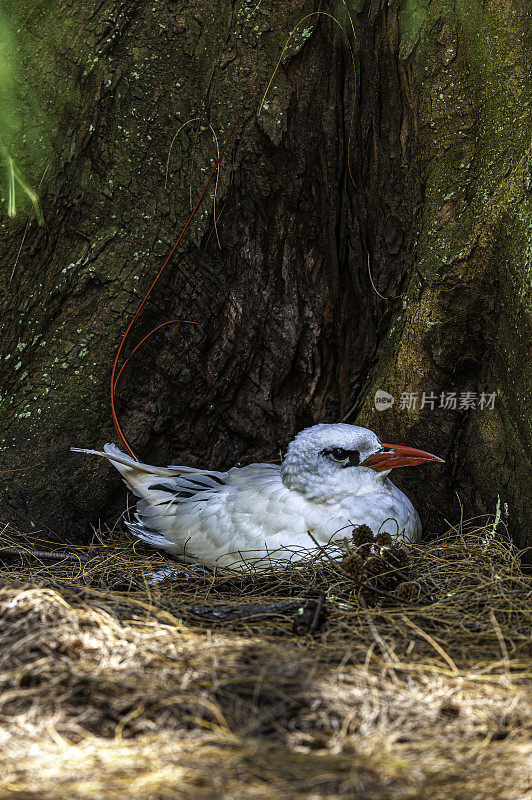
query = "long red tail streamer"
{"x": 114, "y": 375}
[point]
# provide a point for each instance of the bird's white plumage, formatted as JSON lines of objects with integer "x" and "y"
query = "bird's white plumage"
{"x": 265, "y": 514}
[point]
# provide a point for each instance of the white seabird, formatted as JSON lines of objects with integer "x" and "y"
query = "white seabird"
{"x": 332, "y": 478}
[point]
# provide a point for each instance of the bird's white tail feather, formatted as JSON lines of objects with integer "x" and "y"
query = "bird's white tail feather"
{"x": 125, "y": 464}
{"x": 138, "y": 477}
{"x": 116, "y": 456}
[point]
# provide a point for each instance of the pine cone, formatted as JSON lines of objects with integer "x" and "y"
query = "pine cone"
{"x": 383, "y": 539}
{"x": 362, "y": 536}
{"x": 397, "y": 556}
{"x": 389, "y": 580}
{"x": 353, "y": 565}
{"x": 380, "y": 573}
{"x": 374, "y": 567}
{"x": 409, "y": 590}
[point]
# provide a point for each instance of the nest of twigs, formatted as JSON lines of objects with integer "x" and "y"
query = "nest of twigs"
{"x": 377, "y": 673}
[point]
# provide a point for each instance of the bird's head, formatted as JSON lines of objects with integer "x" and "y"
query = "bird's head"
{"x": 329, "y": 460}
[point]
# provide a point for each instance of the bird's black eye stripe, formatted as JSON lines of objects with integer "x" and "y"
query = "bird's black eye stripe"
{"x": 343, "y": 457}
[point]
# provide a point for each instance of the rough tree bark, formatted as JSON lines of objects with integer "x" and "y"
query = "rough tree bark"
{"x": 372, "y": 232}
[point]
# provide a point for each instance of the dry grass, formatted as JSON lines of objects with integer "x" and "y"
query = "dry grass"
{"x": 113, "y": 686}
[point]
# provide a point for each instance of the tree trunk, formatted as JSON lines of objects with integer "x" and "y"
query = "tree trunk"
{"x": 369, "y": 229}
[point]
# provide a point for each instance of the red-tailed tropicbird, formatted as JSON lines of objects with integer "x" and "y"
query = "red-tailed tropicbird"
{"x": 332, "y": 478}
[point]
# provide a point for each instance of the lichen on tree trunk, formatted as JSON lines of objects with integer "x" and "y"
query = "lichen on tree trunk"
{"x": 465, "y": 322}
{"x": 370, "y": 230}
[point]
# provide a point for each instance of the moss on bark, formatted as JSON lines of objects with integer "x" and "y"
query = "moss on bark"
{"x": 465, "y": 325}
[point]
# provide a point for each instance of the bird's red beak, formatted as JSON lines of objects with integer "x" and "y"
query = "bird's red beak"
{"x": 393, "y": 455}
